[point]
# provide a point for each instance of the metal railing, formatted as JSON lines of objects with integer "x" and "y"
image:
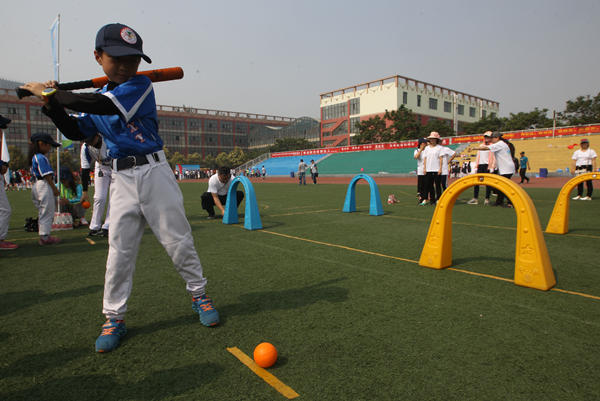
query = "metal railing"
{"x": 252, "y": 162}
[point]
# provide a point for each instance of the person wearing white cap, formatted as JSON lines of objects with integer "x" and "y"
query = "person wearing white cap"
{"x": 504, "y": 160}
{"x": 584, "y": 160}
{"x": 484, "y": 160}
{"x": 432, "y": 160}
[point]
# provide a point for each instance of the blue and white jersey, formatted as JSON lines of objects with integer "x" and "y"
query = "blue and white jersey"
{"x": 135, "y": 130}
{"x": 40, "y": 166}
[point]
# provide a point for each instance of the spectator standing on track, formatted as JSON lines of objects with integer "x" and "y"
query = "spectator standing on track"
{"x": 432, "y": 160}
{"x": 5, "y": 210}
{"x": 485, "y": 159}
{"x": 314, "y": 171}
{"x": 584, "y": 161}
{"x": 523, "y": 167}
{"x": 445, "y": 153}
{"x": 504, "y": 160}
{"x": 302, "y": 172}
{"x": 418, "y": 155}
{"x": 263, "y": 171}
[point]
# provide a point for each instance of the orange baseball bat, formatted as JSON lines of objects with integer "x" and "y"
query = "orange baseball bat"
{"x": 158, "y": 75}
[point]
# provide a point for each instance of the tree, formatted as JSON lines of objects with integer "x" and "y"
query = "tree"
{"x": 487, "y": 123}
{"x": 402, "y": 124}
{"x": 396, "y": 125}
{"x": 222, "y": 160}
{"x": 521, "y": 121}
{"x": 17, "y": 159}
{"x": 371, "y": 130}
{"x": 285, "y": 144}
{"x": 440, "y": 126}
{"x": 583, "y": 110}
{"x": 237, "y": 157}
{"x": 177, "y": 158}
{"x": 66, "y": 159}
{"x": 209, "y": 161}
{"x": 194, "y": 158}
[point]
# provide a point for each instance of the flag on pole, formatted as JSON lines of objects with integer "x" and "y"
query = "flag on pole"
{"x": 54, "y": 29}
{"x": 4, "y": 156}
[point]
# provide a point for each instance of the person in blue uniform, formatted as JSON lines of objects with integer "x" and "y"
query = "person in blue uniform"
{"x": 144, "y": 189}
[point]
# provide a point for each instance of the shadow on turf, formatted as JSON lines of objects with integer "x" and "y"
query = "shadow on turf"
{"x": 32, "y": 365}
{"x": 292, "y": 298}
{"x": 14, "y": 301}
{"x": 156, "y": 385}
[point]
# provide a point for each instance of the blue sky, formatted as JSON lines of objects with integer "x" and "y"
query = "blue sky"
{"x": 276, "y": 57}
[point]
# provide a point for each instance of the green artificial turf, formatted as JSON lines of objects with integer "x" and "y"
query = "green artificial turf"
{"x": 348, "y": 325}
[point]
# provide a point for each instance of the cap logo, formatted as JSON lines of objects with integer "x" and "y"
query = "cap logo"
{"x": 128, "y": 35}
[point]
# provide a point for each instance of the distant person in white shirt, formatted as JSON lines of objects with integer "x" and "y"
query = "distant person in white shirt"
{"x": 584, "y": 161}
{"x": 314, "y": 171}
{"x": 216, "y": 195}
{"x": 484, "y": 160}
{"x": 504, "y": 161}
{"x": 447, "y": 156}
{"x": 302, "y": 172}
{"x": 421, "y": 194}
{"x": 432, "y": 160}
{"x": 263, "y": 171}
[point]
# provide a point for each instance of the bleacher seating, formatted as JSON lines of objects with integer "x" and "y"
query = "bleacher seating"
{"x": 285, "y": 165}
{"x": 552, "y": 154}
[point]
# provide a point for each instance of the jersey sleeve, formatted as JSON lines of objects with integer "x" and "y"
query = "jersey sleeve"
{"x": 593, "y": 154}
{"x": 574, "y": 157}
{"x": 129, "y": 96}
{"x": 495, "y": 147}
{"x": 86, "y": 124}
{"x": 43, "y": 165}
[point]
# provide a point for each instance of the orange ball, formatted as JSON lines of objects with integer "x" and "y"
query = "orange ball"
{"x": 85, "y": 204}
{"x": 265, "y": 355}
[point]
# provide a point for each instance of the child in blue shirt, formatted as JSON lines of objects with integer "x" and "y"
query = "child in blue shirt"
{"x": 143, "y": 189}
{"x": 44, "y": 191}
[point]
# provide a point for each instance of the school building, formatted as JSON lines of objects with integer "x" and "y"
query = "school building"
{"x": 185, "y": 130}
{"x": 342, "y": 109}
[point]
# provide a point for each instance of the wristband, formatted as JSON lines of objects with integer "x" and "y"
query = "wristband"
{"x": 48, "y": 92}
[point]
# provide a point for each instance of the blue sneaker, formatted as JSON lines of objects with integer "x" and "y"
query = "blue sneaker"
{"x": 205, "y": 308}
{"x": 109, "y": 339}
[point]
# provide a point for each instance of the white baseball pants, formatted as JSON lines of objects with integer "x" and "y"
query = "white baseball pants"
{"x": 140, "y": 195}
{"x": 44, "y": 201}
{"x": 4, "y": 211}
{"x": 102, "y": 178}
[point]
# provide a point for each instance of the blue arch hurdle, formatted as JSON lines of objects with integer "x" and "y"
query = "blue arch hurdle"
{"x": 251, "y": 216}
{"x": 375, "y": 208}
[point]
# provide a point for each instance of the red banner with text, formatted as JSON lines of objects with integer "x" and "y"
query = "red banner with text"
{"x": 546, "y": 132}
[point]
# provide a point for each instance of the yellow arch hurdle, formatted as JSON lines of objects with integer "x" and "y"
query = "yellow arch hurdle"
{"x": 532, "y": 262}
{"x": 559, "y": 220}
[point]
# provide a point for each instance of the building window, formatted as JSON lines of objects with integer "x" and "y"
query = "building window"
{"x": 432, "y": 103}
{"x": 471, "y": 111}
{"x": 483, "y": 113}
{"x": 418, "y": 100}
{"x": 353, "y": 124}
{"x": 447, "y": 107}
{"x": 355, "y": 106}
{"x": 404, "y": 97}
{"x": 461, "y": 109}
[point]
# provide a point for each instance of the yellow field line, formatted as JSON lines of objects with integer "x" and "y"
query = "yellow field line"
{"x": 581, "y": 294}
{"x": 273, "y": 381}
{"x": 340, "y": 246}
{"x": 416, "y": 262}
{"x": 306, "y": 212}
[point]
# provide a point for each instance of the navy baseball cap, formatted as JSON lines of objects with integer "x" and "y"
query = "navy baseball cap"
{"x": 46, "y": 138}
{"x": 4, "y": 122}
{"x": 120, "y": 40}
